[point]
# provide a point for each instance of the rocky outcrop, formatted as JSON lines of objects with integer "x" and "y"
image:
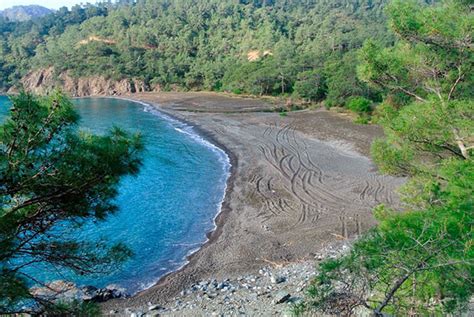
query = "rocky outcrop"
{"x": 60, "y": 290}
{"x": 44, "y": 80}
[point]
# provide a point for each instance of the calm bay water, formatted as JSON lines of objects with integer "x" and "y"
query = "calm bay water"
{"x": 166, "y": 210}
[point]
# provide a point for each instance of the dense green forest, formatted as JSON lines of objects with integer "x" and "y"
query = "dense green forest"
{"x": 257, "y": 47}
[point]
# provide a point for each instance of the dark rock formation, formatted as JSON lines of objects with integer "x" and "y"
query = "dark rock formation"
{"x": 68, "y": 291}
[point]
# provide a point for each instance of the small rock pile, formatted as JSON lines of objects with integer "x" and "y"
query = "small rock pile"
{"x": 273, "y": 291}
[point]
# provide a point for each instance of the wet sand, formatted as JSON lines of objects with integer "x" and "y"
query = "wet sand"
{"x": 298, "y": 183}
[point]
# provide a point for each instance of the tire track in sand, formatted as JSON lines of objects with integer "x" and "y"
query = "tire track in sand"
{"x": 304, "y": 192}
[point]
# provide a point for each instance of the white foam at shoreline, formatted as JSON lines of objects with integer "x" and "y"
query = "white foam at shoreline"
{"x": 188, "y": 130}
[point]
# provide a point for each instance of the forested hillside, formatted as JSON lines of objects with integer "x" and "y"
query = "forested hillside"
{"x": 259, "y": 47}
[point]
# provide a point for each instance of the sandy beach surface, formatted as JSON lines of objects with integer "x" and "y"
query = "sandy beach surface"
{"x": 299, "y": 182}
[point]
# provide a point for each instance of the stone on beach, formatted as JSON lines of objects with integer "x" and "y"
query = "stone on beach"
{"x": 277, "y": 279}
{"x": 281, "y": 297}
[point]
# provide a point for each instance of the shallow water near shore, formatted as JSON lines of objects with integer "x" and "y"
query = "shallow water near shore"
{"x": 165, "y": 211}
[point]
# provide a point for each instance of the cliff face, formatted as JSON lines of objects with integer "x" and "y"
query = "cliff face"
{"x": 44, "y": 80}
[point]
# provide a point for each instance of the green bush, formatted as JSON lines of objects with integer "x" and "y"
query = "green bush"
{"x": 359, "y": 105}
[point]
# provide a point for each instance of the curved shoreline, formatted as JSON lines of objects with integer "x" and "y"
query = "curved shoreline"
{"x": 291, "y": 188}
{"x": 228, "y": 168}
{"x": 224, "y": 207}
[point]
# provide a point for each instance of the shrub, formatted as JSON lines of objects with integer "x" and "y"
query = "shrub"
{"x": 359, "y": 105}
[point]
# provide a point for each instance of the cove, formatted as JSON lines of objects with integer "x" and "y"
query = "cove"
{"x": 165, "y": 211}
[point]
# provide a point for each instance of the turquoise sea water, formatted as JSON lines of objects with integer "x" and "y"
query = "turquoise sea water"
{"x": 164, "y": 212}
